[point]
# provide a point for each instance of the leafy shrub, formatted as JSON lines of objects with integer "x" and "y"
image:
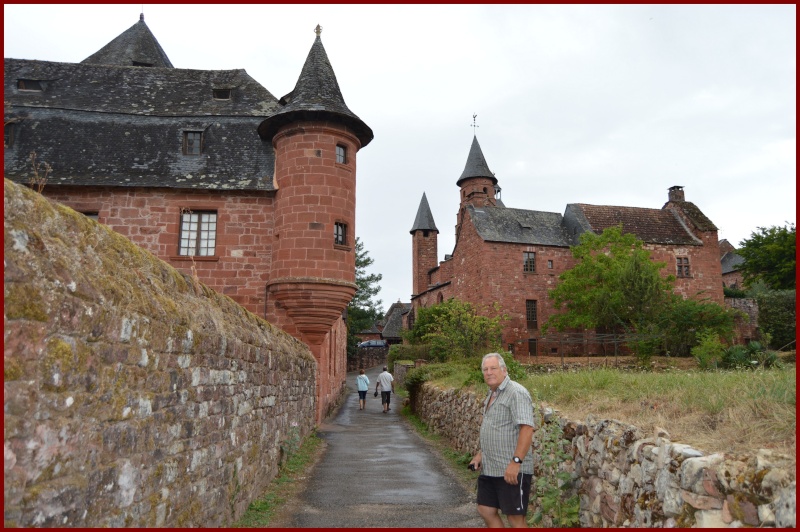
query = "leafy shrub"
{"x": 407, "y": 352}
{"x": 736, "y": 293}
{"x": 777, "y": 316}
{"x": 709, "y": 349}
{"x": 753, "y": 355}
{"x": 681, "y": 323}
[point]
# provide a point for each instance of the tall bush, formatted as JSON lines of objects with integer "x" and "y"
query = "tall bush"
{"x": 777, "y": 317}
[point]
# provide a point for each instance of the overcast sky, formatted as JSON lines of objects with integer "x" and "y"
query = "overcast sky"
{"x": 606, "y": 105}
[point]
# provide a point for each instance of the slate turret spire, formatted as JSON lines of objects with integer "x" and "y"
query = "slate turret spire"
{"x": 136, "y": 46}
{"x": 316, "y": 96}
{"x": 424, "y": 247}
{"x": 476, "y": 164}
{"x": 424, "y": 220}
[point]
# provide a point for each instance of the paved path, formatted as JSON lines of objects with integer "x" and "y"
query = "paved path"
{"x": 378, "y": 472}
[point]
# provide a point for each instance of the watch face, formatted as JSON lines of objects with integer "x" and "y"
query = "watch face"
{"x": 517, "y": 460}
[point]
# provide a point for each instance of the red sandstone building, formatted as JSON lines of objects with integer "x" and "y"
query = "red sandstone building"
{"x": 253, "y": 194}
{"x": 515, "y": 256}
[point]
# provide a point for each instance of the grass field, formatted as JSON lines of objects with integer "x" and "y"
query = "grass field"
{"x": 715, "y": 411}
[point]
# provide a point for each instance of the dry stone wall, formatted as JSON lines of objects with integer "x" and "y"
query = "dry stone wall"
{"x": 626, "y": 478}
{"x": 133, "y": 395}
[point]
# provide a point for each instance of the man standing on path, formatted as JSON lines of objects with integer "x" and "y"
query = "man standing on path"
{"x": 386, "y": 382}
{"x": 505, "y": 458}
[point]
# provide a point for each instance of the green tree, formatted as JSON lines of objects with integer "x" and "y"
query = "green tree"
{"x": 777, "y": 317}
{"x": 614, "y": 285}
{"x": 455, "y": 330}
{"x": 363, "y": 310}
{"x": 770, "y": 255}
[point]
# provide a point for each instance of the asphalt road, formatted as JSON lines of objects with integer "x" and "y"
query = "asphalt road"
{"x": 378, "y": 472}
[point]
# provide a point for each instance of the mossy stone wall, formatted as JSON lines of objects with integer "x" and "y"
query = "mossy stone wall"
{"x": 626, "y": 478}
{"x": 133, "y": 395}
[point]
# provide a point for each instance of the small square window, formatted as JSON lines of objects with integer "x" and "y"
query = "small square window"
{"x": 192, "y": 142}
{"x": 340, "y": 234}
{"x": 29, "y": 85}
{"x": 529, "y": 261}
{"x": 198, "y": 233}
{"x": 341, "y": 154}
{"x": 222, "y": 94}
{"x": 549, "y": 264}
{"x": 94, "y": 215}
{"x": 683, "y": 267}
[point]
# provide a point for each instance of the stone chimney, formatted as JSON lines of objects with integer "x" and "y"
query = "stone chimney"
{"x": 676, "y": 193}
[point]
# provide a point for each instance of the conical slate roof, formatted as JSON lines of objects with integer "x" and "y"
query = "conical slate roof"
{"x": 316, "y": 96}
{"x": 476, "y": 164}
{"x": 135, "y": 46}
{"x": 424, "y": 219}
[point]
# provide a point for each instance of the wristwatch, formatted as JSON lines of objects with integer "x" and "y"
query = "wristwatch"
{"x": 517, "y": 460}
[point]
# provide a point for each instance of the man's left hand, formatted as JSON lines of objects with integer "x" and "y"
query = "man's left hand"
{"x": 512, "y": 473}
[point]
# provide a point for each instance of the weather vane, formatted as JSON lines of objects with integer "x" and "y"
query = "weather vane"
{"x": 474, "y": 125}
{"x": 318, "y": 29}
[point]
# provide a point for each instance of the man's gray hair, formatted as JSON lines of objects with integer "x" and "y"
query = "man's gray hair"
{"x": 497, "y": 355}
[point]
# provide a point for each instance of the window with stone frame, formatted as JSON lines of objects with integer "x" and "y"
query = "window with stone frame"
{"x": 532, "y": 314}
{"x": 340, "y": 234}
{"x": 198, "y": 235}
{"x": 192, "y": 142}
{"x": 341, "y": 154}
{"x": 683, "y": 267}
{"x": 528, "y": 261}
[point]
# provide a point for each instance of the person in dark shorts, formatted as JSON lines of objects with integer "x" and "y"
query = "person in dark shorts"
{"x": 386, "y": 382}
{"x": 505, "y": 458}
{"x": 362, "y": 383}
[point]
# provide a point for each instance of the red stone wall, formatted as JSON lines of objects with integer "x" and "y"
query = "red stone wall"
{"x": 151, "y": 219}
{"x": 424, "y": 246}
{"x": 705, "y": 269}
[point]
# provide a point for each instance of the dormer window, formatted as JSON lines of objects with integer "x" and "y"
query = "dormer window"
{"x": 341, "y": 154}
{"x": 222, "y": 94}
{"x": 192, "y": 142}
{"x": 29, "y": 85}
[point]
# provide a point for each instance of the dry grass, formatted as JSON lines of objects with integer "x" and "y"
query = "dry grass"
{"x": 722, "y": 411}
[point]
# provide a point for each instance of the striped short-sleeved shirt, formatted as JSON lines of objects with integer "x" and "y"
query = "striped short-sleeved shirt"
{"x": 500, "y": 428}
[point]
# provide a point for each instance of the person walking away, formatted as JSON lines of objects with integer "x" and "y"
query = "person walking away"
{"x": 505, "y": 459}
{"x": 386, "y": 383}
{"x": 362, "y": 384}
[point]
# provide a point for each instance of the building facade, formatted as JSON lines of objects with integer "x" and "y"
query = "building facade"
{"x": 513, "y": 257}
{"x": 250, "y": 194}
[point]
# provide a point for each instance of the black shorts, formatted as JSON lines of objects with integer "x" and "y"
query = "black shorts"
{"x": 385, "y": 396}
{"x": 495, "y": 492}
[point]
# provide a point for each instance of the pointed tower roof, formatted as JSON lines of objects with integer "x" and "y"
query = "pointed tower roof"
{"x": 136, "y": 46}
{"x": 424, "y": 219}
{"x": 316, "y": 96}
{"x": 476, "y": 164}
